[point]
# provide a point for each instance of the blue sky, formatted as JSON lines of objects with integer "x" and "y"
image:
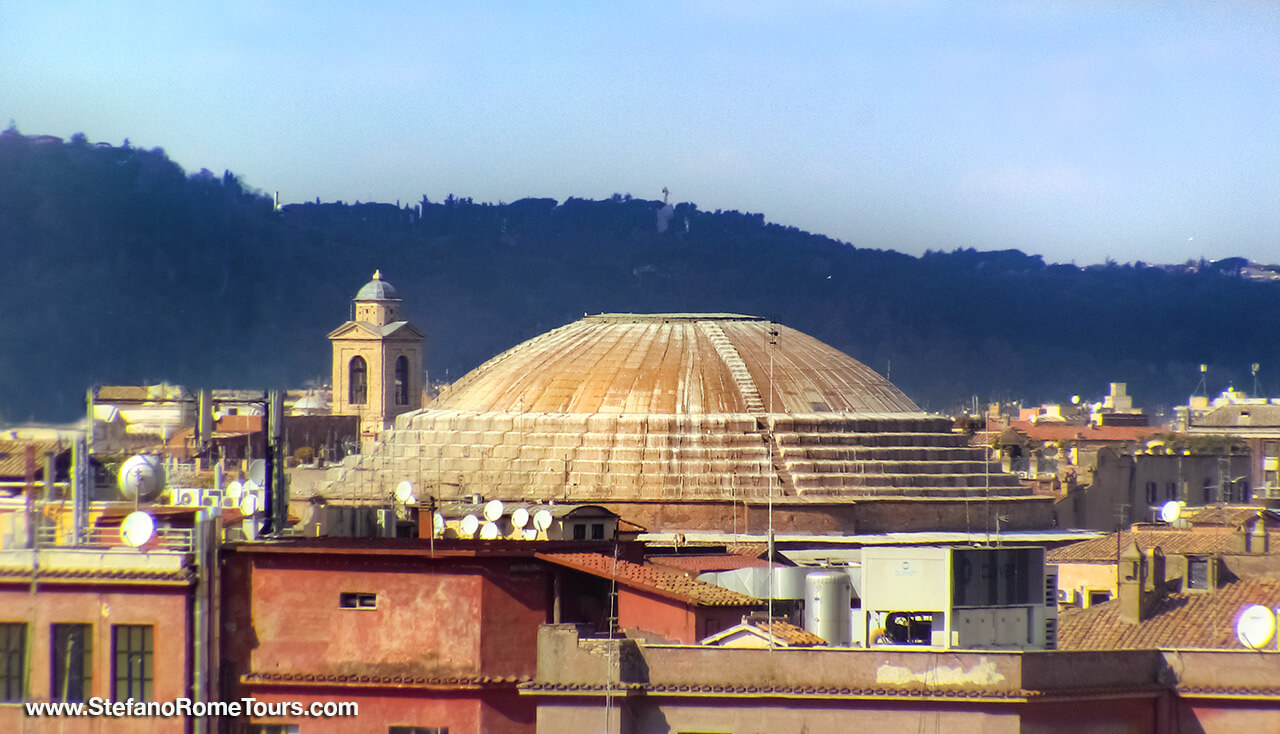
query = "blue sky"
{"x": 1076, "y": 130}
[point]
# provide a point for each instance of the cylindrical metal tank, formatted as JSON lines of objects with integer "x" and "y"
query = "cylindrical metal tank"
{"x": 826, "y": 606}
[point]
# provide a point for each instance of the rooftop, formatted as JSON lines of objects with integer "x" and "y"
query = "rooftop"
{"x": 1185, "y": 620}
{"x": 666, "y": 582}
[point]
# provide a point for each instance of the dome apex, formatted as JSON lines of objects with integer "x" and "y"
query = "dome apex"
{"x": 377, "y": 290}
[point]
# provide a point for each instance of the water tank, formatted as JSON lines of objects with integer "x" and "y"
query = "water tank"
{"x": 826, "y": 606}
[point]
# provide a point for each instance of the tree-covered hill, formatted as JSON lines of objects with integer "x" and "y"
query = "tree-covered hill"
{"x": 119, "y": 267}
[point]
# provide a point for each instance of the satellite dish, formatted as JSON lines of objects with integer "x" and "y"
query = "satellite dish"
{"x": 542, "y": 519}
{"x": 493, "y": 510}
{"x": 489, "y": 531}
{"x": 137, "y": 529}
{"x": 404, "y": 492}
{"x": 142, "y": 477}
{"x": 258, "y": 471}
{"x": 234, "y": 489}
{"x": 1171, "y": 511}
{"x": 470, "y": 524}
{"x": 250, "y": 486}
{"x": 520, "y": 517}
{"x": 248, "y": 504}
{"x": 438, "y": 524}
{"x": 530, "y": 533}
{"x": 1256, "y": 626}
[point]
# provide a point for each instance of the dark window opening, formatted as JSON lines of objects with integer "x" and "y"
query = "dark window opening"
{"x": 72, "y": 666}
{"x": 579, "y": 532}
{"x": 357, "y": 600}
{"x": 358, "y": 381}
{"x": 1151, "y": 493}
{"x": 1197, "y": 573}
{"x": 1097, "y": 597}
{"x": 133, "y": 661}
{"x": 402, "y": 380}
{"x": 597, "y": 531}
{"x": 909, "y": 628}
{"x": 13, "y": 659}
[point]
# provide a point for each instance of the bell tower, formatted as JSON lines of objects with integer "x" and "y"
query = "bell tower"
{"x": 377, "y": 361}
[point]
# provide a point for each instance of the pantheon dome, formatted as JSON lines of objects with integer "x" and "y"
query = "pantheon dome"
{"x": 675, "y": 408}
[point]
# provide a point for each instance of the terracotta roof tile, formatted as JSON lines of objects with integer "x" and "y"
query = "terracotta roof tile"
{"x": 1060, "y": 432}
{"x": 381, "y": 681}
{"x": 1177, "y": 541}
{"x": 788, "y": 633}
{"x": 666, "y": 582}
{"x": 1230, "y": 515}
{"x": 1187, "y": 620}
{"x": 704, "y": 562}
{"x": 13, "y": 456}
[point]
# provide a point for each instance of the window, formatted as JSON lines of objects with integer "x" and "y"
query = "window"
{"x": 1271, "y": 449}
{"x": 1197, "y": 572}
{"x": 579, "y": 532}
{"x": 357, "y": 600}
{"x": 1171, "y": 491}
{"x": 1208, "y": 491}
{"x": 418, "y": 730}
{"x": 72, "y": 664}
{"x": 1097, "y": 597}
{"x": 402, "y": 380}
{"x": 1151, "y": 493}
{"x": 597, "y": 531}
{"x": 357, "y": 381}
{"x": 13, "y": 658}
{"x": 132, "y": 659}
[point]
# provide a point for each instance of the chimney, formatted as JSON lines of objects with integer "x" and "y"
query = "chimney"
{"x": 1130, "y": 575}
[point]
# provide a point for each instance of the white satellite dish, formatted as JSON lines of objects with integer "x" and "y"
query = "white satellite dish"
{"x": 530, "y": 533}
{"x": 248, "y": 504}
{"x": 493, "y": 510}
{"x": 141, "y": 477}
{"x": 438, "y": 524}
{"x": 137, "y": 529}
{"x": 470, "y": 524}
{"x": 235, "y": 489}
{"x": 520, "y": 517}
{"x": 404, "y": 492}
{"x": 1171, "y": 511}
{"x": 258, "y": 471}
{"x": 250, "y": 486}
{"x": 542, "y": 519}
{"x": 1255, "y": 626}
{"x": 489, "y": 531}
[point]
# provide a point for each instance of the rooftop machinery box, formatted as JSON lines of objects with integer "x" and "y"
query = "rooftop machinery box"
{"x": 976, "y": 597}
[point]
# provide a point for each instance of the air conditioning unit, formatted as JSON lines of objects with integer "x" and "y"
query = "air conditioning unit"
{"x": 186, "y": 497}
{"x": 1066, "y": 596}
